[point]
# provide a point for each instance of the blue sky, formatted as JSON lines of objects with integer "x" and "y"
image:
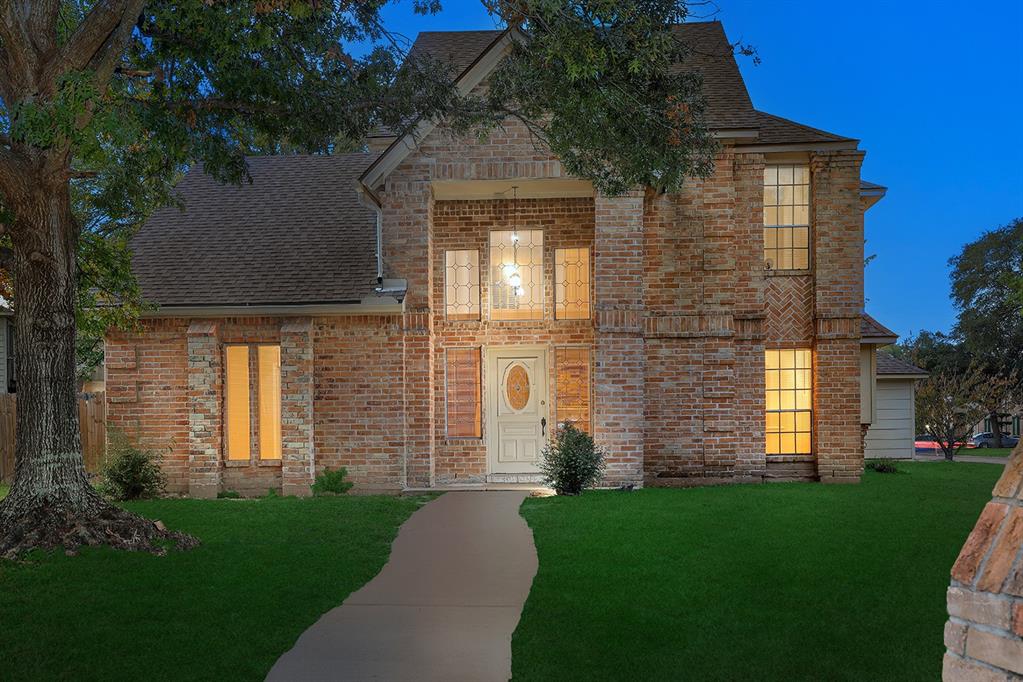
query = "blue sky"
{"x": 933, "y": 91}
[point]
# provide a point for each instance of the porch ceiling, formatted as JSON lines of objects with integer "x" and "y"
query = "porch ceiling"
{"x": 525, "y": 188}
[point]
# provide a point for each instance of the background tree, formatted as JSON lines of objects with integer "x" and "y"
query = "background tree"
{"x": 986, "y": 279}
{"x": 103, "y": 103}
{"x": 950, "y": 401}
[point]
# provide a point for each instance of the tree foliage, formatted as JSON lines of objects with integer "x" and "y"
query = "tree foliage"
{"x": 104, "y": 103}
{"x": 986, "y": 280}
{"x": 952, "y": 400}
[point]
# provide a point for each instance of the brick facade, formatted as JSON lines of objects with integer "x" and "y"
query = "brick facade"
{"x": 682, "y": 312}
{"x": 984, "y": 632}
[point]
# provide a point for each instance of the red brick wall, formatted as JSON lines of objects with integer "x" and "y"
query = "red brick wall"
{"x": 358, "y": 409}
{"x": 147, "y": 392}
{"x": 682, "y": 312}
{"x": 467, "y": 225}
{"x": 359, "y": 404}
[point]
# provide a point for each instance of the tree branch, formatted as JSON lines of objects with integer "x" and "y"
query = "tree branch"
{"x": 99, "y": 40}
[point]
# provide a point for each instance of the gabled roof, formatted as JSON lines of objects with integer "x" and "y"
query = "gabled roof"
{"x": 296, "y": 235}
{"x": 889, "y": 365}
{"x": 457, "y": 48}
{"x": 872, "y": 331}
{"x": 474, "y": 54}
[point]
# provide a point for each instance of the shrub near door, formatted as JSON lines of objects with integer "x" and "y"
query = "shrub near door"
{"x": 571, "y": 462}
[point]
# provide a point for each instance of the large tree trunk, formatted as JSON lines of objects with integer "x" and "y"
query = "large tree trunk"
{"x": 51, "y": 502}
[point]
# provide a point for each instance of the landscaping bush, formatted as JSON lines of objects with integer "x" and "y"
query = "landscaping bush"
{"x": 571, "y": 462}
{"x": 229, "y": 495}
{"x": 882, "y": 466}
{"x": 130, "y": 472}
{"x": 332, "y": 482}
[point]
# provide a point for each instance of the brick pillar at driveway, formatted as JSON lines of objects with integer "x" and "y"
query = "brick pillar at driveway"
{"x": 297, "y": 389}
{"x": 618, "y": 386}
{"x": 204, "y": 414}
{"x": 984, "y": 632}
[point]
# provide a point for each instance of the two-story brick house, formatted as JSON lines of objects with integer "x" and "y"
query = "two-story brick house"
{"x": 426, "y": 313}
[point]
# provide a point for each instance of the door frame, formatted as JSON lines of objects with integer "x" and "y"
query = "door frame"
{"x": 491, "y": 386}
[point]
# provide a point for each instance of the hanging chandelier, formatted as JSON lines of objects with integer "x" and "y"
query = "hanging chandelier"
{"x": 511, "y": 270}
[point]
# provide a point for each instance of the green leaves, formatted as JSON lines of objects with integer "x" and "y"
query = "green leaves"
{"x": 599, "y": 84}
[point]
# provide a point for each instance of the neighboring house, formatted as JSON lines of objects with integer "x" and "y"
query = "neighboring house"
{"x": 1012, "y": 423}
{"x": 427, "y": 313}
{"x": 892, "y": 432}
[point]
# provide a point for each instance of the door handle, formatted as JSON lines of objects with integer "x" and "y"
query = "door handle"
{"x": 543, "y": 426}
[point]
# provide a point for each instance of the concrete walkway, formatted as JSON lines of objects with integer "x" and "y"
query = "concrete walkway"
{"x": 443, "y": 608}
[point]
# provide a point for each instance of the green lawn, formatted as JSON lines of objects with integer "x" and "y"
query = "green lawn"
{"x": 987, "y": 452}
{"x": 267, "y": 569}
{"x": 772, "y": 582}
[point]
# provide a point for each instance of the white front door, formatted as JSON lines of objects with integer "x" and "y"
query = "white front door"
{"x": 518, "y": 423}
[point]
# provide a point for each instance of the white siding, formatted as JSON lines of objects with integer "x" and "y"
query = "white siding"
{"x": 892, "y": 433}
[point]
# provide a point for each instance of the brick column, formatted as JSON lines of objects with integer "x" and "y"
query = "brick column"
{"x": 205, "y": 381}
{"x": 418, "y": 365}
{"x": 837, "y": 236}
{"x": 297, "y": 389}
{"x": 619, "y": 372}
{"x": 984, "y": 632}
{"x": 408, "y": 253}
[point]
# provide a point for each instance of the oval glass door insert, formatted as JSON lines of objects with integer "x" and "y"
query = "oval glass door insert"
{"x": 516, "y": 388}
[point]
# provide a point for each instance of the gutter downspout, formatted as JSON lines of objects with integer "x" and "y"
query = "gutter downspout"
{"x": 371, "y": 200}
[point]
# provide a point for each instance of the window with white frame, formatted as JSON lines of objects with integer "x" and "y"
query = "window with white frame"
{"x": 787, "y": 217}
{"x": 516, "y": 275}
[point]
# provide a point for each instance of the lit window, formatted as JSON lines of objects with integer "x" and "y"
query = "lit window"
{"x": 573, "y": 377}
{"x": 787, "y": 217}
{"x": 462, "y": 285}
{"x": 244, "y": 427}
{"x": 516, "y": 275}
{"x": 239, "y": 436}
{"x": 463, "y": 393}
{"x": 269, "y": 402}
{"x": 572, "y": 284}
{"x": 789, "y": 382}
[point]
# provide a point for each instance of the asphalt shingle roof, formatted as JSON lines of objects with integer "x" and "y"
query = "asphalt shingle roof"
{"x": 871, "y": 328}
{"x": 889, "y": 364}
{"x": 297, "y": 234}
{"x": 777, "y": 130}
{"x": 728, "y": 102}
{"x": 458, "y": 48}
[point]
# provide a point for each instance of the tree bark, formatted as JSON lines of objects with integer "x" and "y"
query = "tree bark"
{"x": 996, "y": 428}
{"x": 51, "y": 502}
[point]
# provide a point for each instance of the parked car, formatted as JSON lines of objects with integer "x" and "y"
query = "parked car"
{"x": 987, "y": 440}
{"x": 926, "y": 441}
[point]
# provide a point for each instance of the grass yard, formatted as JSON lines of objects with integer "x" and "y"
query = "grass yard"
{"x": 987, "y": 452}
{"x": 786, "y": 581}
{"x": 267, "y": 569}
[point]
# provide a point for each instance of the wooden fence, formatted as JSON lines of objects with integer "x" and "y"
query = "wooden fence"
{"x": 92, "y": 421}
